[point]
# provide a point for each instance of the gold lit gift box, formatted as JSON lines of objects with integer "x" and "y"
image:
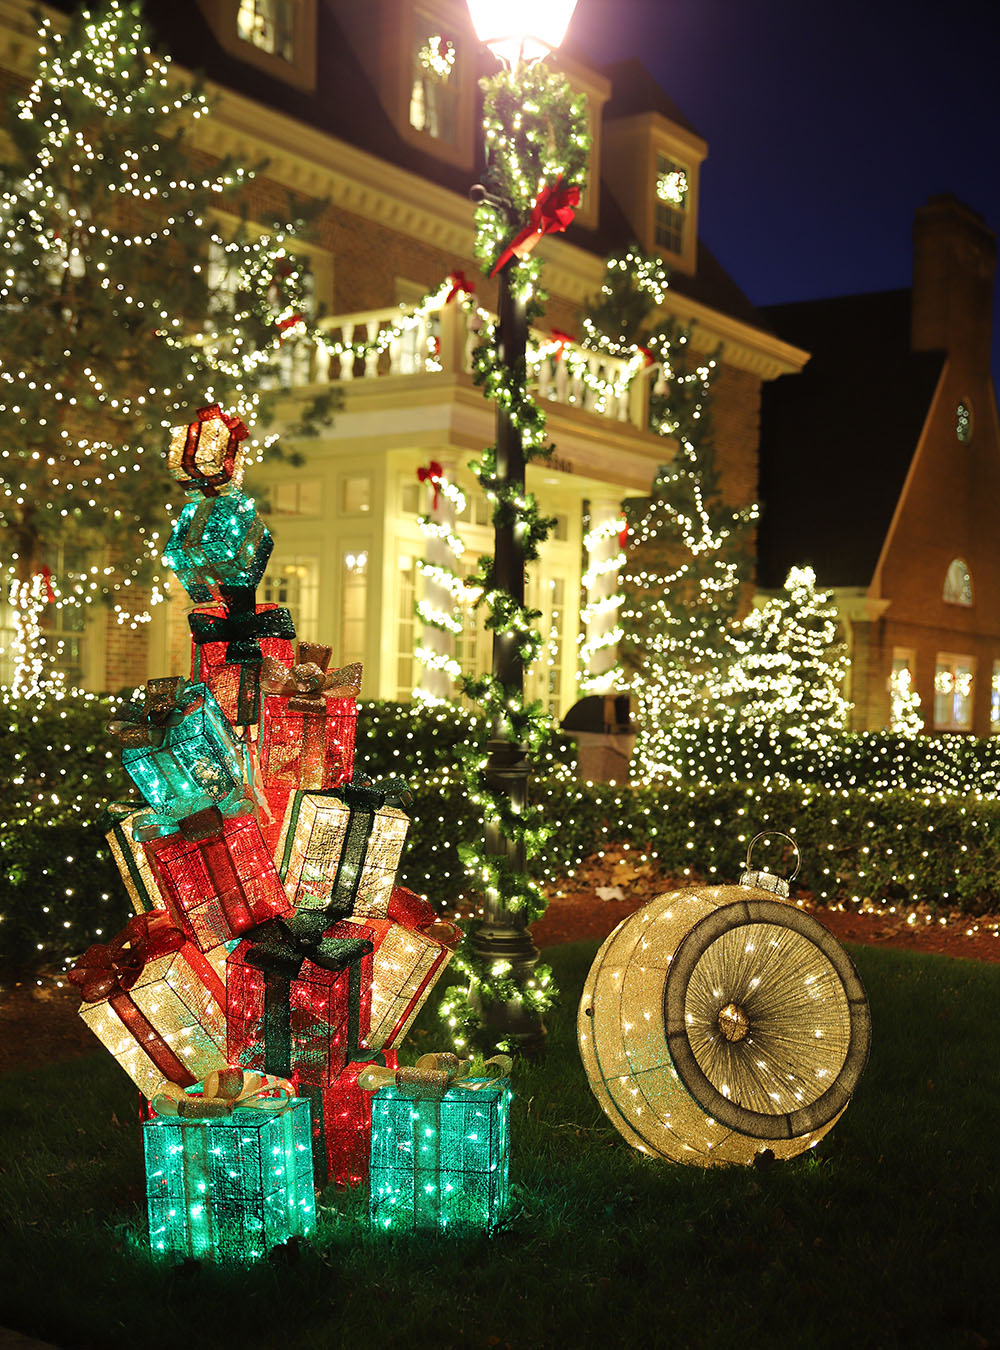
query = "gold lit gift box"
{"x": 208, "y": 453}
{"x": 156, "y": 1002}
{"x": 339, "y": 850}
{"x": 130, "y": 855}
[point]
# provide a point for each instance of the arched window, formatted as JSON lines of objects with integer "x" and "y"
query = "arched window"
{"x": 958, "y": 584}
{"x": 963, "y": 423}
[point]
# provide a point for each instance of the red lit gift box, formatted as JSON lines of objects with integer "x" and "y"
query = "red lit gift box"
{"x": 308, "y": 720}
{"x": 299, "y": 998}
{"x": 156, "y": 1002}
{"x": 341, "y": 1123}
{"x": 229, "y": 644}
{"x": 217, "y": 877}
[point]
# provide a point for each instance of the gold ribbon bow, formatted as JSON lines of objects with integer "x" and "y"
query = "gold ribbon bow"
{"x": 309, "y": 677}
{"x": 433, "y": 1075}
{"x": 223, "y": 1093}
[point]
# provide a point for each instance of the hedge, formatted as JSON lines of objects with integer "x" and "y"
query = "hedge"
{"x": 62, "y": 890}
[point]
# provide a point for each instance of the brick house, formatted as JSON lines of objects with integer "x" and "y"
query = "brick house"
{"x": 880, "y": 466}
{"x": 341, "y": 102}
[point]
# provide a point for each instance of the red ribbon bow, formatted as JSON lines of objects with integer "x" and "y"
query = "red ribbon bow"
{"x": 283, "y": 325}
{"x": 563, "y": 339}
{"x": 106, "y": 969}
{"x": 648, "y": 358}
{"x": 552, "y": 213}
{"x": 46, "y": 574}
{"x": 433, "y": 474}
{"x": 460, "y": 285}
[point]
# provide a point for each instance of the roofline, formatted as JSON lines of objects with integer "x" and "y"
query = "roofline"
{"x": 316, "y": 164}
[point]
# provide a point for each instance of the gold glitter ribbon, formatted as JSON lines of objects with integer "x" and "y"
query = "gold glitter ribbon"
{"x": 221, "y": 1094}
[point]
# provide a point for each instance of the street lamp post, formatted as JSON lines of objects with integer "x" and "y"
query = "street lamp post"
{"x": 518, "y": 32}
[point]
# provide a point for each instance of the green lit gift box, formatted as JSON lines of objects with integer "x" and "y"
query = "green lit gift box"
{"x": 229, "y": 1170}
{"x": 440, "y": 1146}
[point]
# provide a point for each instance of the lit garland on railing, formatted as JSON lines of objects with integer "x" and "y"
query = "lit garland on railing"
{"x": 536, "y": 135}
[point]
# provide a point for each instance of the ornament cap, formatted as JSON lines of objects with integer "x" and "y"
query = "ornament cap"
{"x": 762, "y": 880}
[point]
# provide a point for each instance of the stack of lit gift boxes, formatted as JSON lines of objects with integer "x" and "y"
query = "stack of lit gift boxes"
{"x": 273, "y": 966}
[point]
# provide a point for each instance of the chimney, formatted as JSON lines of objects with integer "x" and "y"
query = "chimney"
{"x": 954, "y": 259}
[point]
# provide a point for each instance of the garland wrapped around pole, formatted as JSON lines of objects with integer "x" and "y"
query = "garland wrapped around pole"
{"x": 536, "y": 149}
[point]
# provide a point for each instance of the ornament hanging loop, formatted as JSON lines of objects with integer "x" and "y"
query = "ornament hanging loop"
{"x": 769, "y": 881}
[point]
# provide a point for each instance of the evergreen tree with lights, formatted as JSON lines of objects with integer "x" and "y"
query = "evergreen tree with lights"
{"x": 792, "y": 664}
{"x": 687, "y": 554}
{"x": 123, "y": 305}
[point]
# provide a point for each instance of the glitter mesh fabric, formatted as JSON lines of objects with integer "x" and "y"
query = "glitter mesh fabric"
{"x": 173, "y": 1007}
{"x": 332, "y": 855}
{"x": 341, "y": 1124}
{"x": 440, "y": 1161}
{"x": 234, "y": 685}
{"x": 307, "y": 747}
{"x": 220, "y": 541}
{"x": 199, "y": 762}
{"x": 208, "y": 452}
{"x": 134, "y": 866}
{"x": 406, "y": 965}
{"x": 219, "y": 887}
{"x": 291, "y": 1016}
{"x": 232, "y": 1187}
{"x": 670, "y": 1079}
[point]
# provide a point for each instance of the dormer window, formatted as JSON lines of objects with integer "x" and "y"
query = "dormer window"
{"x": 434, "y": 93}
{"x": 269, "y": 25}
{"x": 670, "y": 211}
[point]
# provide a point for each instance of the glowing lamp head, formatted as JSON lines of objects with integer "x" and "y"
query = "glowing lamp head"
{"x": 521, "y": 30}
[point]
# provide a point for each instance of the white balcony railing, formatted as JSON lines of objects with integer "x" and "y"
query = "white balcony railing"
{"x": 375, "y": 345}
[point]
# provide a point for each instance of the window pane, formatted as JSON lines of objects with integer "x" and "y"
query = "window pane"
{"x": 356, "y": 495}
{"x": 354, "y": 593}
{"x": 958, "y": 584}
{"x": 267, "y": 24}
{"x": 434, "y": 81}
{"x": 294, "y": 583}
{"x": 953, "y": 692}
{"x": 671, "y": 204}
{"x": 406, "y": 589}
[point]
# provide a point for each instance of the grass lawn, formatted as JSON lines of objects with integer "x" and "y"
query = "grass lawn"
{"x": 885, "y": 1235}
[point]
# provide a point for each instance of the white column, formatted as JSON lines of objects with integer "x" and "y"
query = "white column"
{"x": 599, "y": 620}
{"x": 436, "y": 680}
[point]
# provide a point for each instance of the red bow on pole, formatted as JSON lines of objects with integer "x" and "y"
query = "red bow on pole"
{"x": 459, "y": 284}
{"x": 46, "y": 574}
{"x": 552, "y": 213}
{"x": 563, "y": 339}
{"x": 623, "y": 538}
{"x": 433, "y": 474}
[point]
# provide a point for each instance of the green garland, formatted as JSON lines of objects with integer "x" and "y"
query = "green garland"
{"x": 536, "y": 134}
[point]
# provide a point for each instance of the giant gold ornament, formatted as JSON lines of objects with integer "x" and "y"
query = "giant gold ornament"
{"x": 721, "y": 1021}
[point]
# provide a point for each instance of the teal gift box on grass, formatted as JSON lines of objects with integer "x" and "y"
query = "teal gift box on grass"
{"x": 230, "y": 1184}
{"x": 440, "y": 1146}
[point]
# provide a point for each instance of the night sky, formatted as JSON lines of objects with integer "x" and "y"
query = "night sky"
{"x": 828, "y": 124}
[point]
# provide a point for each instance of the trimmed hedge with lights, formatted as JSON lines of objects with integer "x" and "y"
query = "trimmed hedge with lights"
{"x": 893, "y": 847}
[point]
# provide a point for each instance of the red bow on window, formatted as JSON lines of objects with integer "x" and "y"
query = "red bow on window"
{"x": 563, "y": 339}
{"x": 459, "y": 284}
{"x": 433, "y": 474}
{"x": 552, "y": 213}
{"x": 46, "y": 574}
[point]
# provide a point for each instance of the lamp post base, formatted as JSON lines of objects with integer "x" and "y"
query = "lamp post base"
{"x": 512, "y": 1020}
